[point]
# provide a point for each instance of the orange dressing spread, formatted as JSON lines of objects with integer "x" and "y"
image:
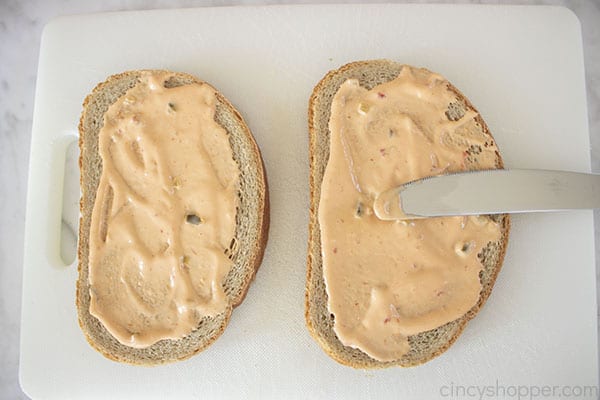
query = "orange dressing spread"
{"x": 164, "y": 214}
{"x": 387, "y": 280}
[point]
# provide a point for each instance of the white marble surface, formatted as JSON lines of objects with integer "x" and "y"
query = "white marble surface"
{"x": 21, "y": 24}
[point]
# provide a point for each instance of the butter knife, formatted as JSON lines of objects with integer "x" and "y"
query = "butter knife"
{"x": 490, "y": 192}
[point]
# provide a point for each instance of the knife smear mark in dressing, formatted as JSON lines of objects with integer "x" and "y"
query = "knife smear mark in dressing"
{"x": 164, "y": 215}
{"x": 387, "y": 280}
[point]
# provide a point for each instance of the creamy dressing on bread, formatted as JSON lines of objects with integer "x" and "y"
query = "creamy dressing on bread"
{"x": 387, "y": 280}
{"x": 164, "y": 215}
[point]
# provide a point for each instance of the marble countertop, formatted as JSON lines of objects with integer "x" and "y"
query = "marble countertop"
{"x": 21, "y": 24}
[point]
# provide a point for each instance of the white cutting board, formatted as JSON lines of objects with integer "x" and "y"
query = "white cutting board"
{"x": 521, "y": 66}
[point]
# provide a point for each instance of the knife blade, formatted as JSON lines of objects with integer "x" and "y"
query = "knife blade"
{"x": 490, "y": 192}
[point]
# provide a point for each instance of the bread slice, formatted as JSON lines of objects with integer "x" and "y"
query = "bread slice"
{"x": 426, "y": 345}
{"x": 252, "y": 222}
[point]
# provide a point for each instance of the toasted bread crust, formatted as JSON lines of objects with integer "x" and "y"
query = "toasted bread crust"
{"x": 426, "y": 345}
{"x": 251, "y": 240}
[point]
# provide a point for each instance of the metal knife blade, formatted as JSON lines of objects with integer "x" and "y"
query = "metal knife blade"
{"x": 490, "y": 192}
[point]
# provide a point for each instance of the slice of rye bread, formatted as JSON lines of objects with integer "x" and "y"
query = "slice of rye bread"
{"x": 426, "y": 345}
{"x": 246, "y": 252}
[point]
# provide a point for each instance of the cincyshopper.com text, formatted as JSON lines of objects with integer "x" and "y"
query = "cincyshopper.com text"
{"x": 520, "y": 392}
